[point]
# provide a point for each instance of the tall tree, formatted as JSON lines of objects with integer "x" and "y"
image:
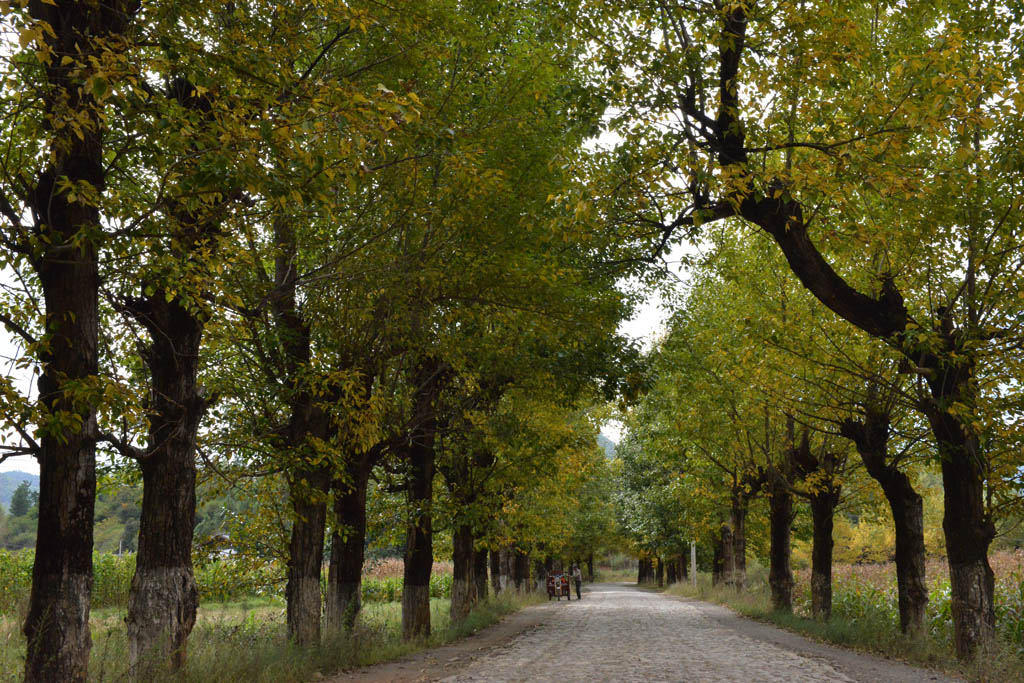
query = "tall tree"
{"x": 70, "y": 57}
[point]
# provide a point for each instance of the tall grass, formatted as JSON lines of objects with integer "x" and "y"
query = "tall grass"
{"x": 247, "y": 641}
{"x": 221, "y": 580}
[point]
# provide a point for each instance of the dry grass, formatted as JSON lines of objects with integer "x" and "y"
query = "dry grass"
{"x": 394, "y": 567}
{"x": 1007, "y": 565}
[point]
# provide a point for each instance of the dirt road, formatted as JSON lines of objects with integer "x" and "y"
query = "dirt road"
{"x": 620, "y": 633}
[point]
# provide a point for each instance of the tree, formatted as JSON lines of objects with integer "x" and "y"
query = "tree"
{"x": 71, "y": 57}
{"x": 20, "y": 502}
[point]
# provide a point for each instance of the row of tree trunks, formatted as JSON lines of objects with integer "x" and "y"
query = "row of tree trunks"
{"x": 948, "y": 367}
{"x": 645, "y": 570}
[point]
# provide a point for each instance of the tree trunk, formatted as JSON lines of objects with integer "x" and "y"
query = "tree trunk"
{"x": 163, "y": 599}
{"x": 496, "y": 571}
{"x": 590, "y": 567}
{"x": 728, "y": 555}
{"x": 684, "y": 563}
{"x": 822, "y": 508}
{"x": 62, "y": 247}
{"x": 670, "y": 572}
{"x": 480, "y": 573}
{"x": 57, "y": 625}
{"x": 308, "y": 492}
{"x": 969, "y": 531}
{"x": 419, "y": 546}
{"x": 345, "y": 576}
{"x": 505, "y": 567}
{"x": 521, "y": 570}
{"x": 871, "y": 436}
{"x": 780, "y": 572}
{"x": 660, "y": 572}
{"x": 737, "y": 550}
{"x": 540, "y": 574}
{"x": 718, "y": 556}
{"x": 463, "y": 581}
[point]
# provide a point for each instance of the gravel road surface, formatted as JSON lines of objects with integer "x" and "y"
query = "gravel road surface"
{"x": 620, "y": 633}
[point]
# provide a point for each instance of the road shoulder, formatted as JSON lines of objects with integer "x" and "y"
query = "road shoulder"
{"x": 439, "y": 662}
{"x": 857, "y": 665}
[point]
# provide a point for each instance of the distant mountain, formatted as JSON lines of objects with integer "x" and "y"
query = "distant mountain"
{"x": 12, "y": 480}
{"x": 607, "y": 444}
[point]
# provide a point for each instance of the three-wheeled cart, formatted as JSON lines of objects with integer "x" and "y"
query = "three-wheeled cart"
{"x": 558, "y": 585}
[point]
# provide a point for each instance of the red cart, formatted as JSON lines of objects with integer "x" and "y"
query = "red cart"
{"x": 558, "y": 585}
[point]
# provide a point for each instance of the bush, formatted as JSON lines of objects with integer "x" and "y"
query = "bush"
{"x": 15, "y": 580}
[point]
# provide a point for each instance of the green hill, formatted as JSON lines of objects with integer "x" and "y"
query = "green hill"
{"x": 607, "y": 444}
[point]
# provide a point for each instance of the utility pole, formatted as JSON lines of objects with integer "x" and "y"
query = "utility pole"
{"x": 693, "y": 562}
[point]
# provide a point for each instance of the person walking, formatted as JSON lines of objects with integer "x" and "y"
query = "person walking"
{"x": 577, "y": 577}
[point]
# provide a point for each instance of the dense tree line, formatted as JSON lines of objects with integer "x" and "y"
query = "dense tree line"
{"x": 348, "y": 258}
{"x": 877, "y": 146}
{"x": 315, "y": 252}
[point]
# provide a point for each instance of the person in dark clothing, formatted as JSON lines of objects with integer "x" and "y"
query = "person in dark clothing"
{"x": 577, "y": 577}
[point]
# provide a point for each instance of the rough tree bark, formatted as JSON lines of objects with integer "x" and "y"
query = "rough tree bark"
{"x": 780, "y": 572}
{"x": 163, "y": 599}
{"x": 419, "y": 546}
{"x": 463, "y": 581}
{"x": 496, "y": 571}
{"x": 735, "y": 547}
{"x": 718, "y": 545}
{"x": 348, "y": 537}
{"x": 480, "y": 573}
{"x": 823, "y": 497}
{"x": 521, "y": 570}
{"x": 308, "y": 491}
{"x": 62, "y": 246}
{"x": 871, "y": 436}
{"x": 307, "y": 484}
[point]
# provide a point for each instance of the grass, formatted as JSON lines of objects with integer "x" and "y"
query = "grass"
{"x": 864, "y": 616}
{"x": 246, "y": 641}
